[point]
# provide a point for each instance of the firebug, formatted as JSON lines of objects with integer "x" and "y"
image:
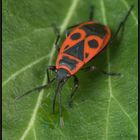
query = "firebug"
{"x": 83, "y": 42}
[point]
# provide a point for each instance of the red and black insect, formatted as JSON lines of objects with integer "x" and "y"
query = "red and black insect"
{"x": 83, "y": 42}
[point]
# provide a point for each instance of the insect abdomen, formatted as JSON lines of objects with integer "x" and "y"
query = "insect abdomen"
{"x": 95, "y": 29}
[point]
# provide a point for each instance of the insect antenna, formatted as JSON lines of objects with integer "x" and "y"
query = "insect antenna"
{"x": 35, "y": 89}
{"x": 58, "y": 92}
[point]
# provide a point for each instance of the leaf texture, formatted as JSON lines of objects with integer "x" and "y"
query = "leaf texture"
{"x": 104, "y": 108}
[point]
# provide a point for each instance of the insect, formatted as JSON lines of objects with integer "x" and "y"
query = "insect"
{"x": 83, "y": 42}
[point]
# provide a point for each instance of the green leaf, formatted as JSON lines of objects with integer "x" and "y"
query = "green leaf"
{"x": 104, "y": 108}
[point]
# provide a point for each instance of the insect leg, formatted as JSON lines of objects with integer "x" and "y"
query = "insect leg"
{"x": 39, "y": 87}
{"x": 56, "y": 30}
{"x": 54, "y": 98}
{"x": 68, "y": 28}
{"x": 56, "y": 43}
{"x": 76, "y": 85}
{"x": 91, "y": 13}
{"x": 53, "y": 68}
{"x": 90, "y": 19}
{"x": 60, "y": 108}
{"x": 35, "y": 89}
{"x": 121, "y": 25}
{"x": 92, "y": 68}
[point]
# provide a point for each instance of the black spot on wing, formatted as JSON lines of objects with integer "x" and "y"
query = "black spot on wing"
{"x": 95, "y": 29}
{"x": 66, "y": 47}
{"x": 70, "y": 63}
{"x": 93, "y": 43}
{"x": 77, "y": 50}
{"x": 86, "y": 55}
{"x": 75, "y": 36}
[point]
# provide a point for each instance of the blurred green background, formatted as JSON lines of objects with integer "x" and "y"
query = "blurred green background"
{"x": 104, "y": 108}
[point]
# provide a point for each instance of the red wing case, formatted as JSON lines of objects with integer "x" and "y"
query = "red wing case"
{"x": 82, "y": 44}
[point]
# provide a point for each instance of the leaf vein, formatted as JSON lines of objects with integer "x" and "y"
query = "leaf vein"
{"x": 64, "y": 24}
{"x": 132, "y": 13}
{"x": 34, "y": 133}
{"x": 123, "y": 110}
{"x": 110, "y": 83}
{"x": 14, "y": 75}
{"x": 26, "y": 36}
{"x": 109, "y": 78}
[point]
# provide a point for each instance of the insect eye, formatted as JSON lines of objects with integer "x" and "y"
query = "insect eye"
{"x": 93, "y": 43}
{"x": 75, "y": 36}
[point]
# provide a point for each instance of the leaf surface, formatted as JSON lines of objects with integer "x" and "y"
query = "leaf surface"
{"x": 104, "y": 108}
